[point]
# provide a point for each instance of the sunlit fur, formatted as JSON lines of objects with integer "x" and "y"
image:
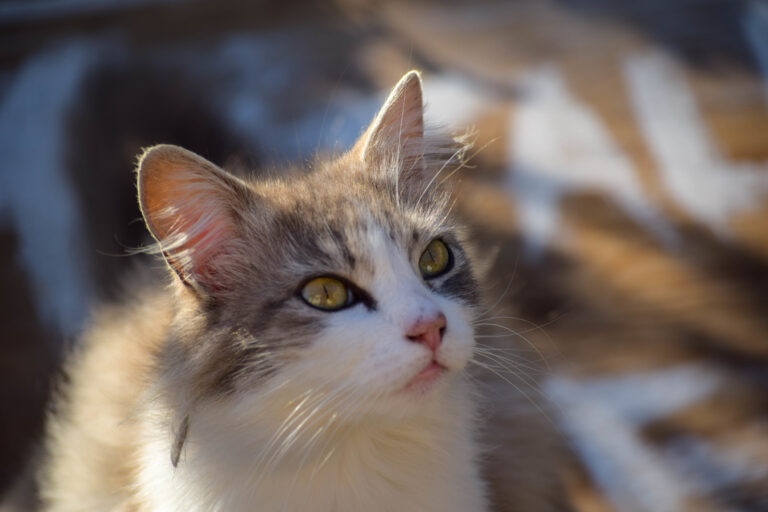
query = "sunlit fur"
{"x": 333, "y": 428}
{"x": 228, "y": 392}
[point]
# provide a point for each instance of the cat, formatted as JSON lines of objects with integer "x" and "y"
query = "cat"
{"x": 309, "y": 351}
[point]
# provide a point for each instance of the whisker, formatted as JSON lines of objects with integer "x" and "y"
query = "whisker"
{"x": 503, "y": 294}
{"x": 350, "y": 405}
{"x": 297, "y": 415}
{"x": 533, "y": 325}
{"x": 515, "y": 333}
{"x": 467, "y": 160}
{"x": 437, "y": 173}
{"x": 508, "y": 381}
{"x": 506, "y": 361}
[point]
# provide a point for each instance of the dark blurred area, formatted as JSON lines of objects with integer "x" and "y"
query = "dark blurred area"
{"x": 621, "y": 178}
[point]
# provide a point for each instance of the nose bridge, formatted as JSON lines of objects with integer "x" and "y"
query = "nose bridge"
{"x": 401, "y": 293}
{"x": 415, "y": 306}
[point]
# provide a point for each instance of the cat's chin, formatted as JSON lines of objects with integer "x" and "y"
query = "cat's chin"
{"x": 426, "y": 380}
{"x": 424, "y": 394}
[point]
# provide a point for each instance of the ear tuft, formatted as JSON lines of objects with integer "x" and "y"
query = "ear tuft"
{"x": 188, "y": 204}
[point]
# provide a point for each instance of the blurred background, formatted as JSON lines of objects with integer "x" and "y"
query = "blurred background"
{"x": 621, "y": 179}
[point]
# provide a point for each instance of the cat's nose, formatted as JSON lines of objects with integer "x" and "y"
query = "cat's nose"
{"x": 428, "y": 331}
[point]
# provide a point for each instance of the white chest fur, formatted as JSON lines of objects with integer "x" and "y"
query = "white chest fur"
{"x": 426, "y": 463}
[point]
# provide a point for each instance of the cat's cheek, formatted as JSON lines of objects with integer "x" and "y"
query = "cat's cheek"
{"x": 338, "y": 353}
{"x": 375, "y": 353}
{"x": 394, "y": 361}
{"x": 386, "y": 359}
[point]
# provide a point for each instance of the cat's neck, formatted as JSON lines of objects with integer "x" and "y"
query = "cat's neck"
{"x": 425, "y": 462}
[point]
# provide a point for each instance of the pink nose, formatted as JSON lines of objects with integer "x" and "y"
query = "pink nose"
{"x": 428, "y": 331}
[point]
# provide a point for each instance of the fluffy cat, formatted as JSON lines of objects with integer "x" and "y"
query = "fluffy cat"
{"x": 309, "y": 353}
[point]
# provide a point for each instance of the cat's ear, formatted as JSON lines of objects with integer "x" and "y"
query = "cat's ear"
{"x": 396, "y": 135}
{"x": 190, "y": 207}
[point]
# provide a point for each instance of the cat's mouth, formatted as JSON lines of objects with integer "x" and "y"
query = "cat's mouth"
{"x": 426, "y": 377}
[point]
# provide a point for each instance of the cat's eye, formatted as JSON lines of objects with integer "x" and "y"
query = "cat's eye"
{"x": 435, "y": 260}
{"x": 327, "y": 293}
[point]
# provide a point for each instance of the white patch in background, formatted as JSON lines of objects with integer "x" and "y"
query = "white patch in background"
{"x": 711, "y": 467}
{"x": 691, "y": 168}
{"x": 643, "y": 397}
{"x": 558, "y": 146}
{"x": 452, "y": 101}
{"x": 34, "y": 190}
{"x": 755, "y": 23}
{"x": 602, "y": 415}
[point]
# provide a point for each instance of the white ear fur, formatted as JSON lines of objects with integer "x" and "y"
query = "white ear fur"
{"x": 188, "y": 204}
{"x": 397, "y": 131}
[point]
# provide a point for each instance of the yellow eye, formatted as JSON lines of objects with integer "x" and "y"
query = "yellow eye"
{"x": 326, "y": 293}
{"x": 435, "y": 260}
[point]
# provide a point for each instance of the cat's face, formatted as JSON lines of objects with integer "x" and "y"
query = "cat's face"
{"x": 346, "y": 286}
{"x": 362, "y": 293}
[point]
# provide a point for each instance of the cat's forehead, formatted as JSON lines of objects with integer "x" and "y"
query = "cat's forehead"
{"x": 328, "y": 222}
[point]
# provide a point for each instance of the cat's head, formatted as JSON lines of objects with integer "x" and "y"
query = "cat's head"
{"x": 347, "y": 284}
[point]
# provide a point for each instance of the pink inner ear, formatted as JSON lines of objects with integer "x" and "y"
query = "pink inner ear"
{"x": 206, "y": 238}
{"x": 186, "y": 207}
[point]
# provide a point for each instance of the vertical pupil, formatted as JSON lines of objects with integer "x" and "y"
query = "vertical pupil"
{"x": 435, "y": 259}
{"x": 431, "y": 257}
{"x": 326, "y": 293}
